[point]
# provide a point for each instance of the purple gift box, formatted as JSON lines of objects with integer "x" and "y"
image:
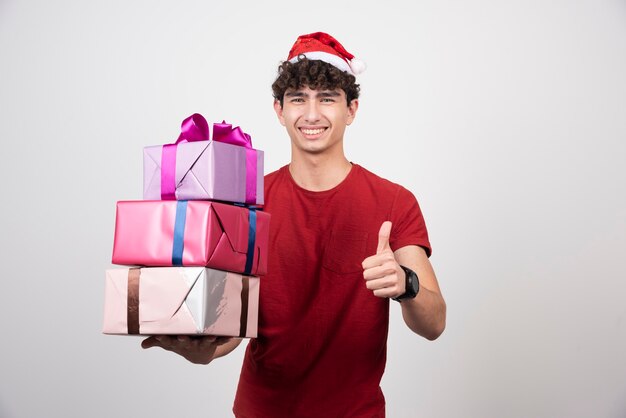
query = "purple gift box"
{"x": 226, "y": 168}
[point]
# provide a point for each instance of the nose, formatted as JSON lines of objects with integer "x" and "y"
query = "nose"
{"x": 312, "y": 112}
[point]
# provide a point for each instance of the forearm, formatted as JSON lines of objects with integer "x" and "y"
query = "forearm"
{"x": 425, "y": 314}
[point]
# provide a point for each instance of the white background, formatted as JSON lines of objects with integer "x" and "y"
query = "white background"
{"x": 507, "y": 119}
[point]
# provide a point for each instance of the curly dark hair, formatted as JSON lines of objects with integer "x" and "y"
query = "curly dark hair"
{"x": 315, "y": 74}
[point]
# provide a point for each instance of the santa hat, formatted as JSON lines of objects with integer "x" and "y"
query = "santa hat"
{"x": 321, "y": 46}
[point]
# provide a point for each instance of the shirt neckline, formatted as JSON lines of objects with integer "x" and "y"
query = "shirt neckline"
{"x": 322, "y": 193}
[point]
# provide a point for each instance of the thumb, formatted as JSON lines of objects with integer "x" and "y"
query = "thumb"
{"x": 149, "y": 342}
{"x": 383, "y": 237}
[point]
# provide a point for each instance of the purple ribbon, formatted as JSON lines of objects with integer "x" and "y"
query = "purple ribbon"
{"x": 194, "y": 128}
{"x": 224, "y": 132}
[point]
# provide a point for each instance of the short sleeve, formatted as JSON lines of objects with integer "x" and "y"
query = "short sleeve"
{"x": 409, "y": 227}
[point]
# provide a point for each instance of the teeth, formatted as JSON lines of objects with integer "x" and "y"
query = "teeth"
{"x": 313, "y": 131}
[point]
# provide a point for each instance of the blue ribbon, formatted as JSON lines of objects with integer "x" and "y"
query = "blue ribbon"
{"x": 179, "y": 233}
{"x": 251, "y": 240}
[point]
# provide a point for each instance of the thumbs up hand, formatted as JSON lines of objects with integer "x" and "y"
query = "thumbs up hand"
{"x": 382, "y": 273}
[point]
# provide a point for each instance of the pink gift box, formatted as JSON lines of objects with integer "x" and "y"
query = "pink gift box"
{"x": 191, "y": 233}
{"x": 205, "y": 170}
{"x": 225, "y": 168}
{"x": 180, "y": 300}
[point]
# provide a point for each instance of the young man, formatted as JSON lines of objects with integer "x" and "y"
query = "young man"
{"x": 343, "y": 241}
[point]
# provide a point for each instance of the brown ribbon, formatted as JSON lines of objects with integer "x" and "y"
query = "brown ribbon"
{"x": 243, "y": 321}
{"x": 132, "y": 301}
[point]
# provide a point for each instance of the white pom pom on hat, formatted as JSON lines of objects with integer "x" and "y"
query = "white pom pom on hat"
{"x": 322, "y": 46}
{"x": 357, "y": 66}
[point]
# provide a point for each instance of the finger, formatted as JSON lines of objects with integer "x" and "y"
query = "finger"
{"x": 182, "y": 341}
{"x": 387, "y": 292}
{"x": 371, "y": 261}
{"x": 202, "y": 337}
{"x": 165, "y": 341}
{"x": 383, "y": 237}
{"x": 387, "y": 282}
{"x": 204, "y": 341}
{"x": 379, "y": 272}
{"x": 385, "y": 287}
{"x": 149, "y": 342}
{"x": 162, "y": 341}
{"x": 377, "y": 260}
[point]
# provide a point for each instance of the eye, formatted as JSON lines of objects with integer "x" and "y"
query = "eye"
{"x": 297, "y": 100}
{"x": 328, "y": 100}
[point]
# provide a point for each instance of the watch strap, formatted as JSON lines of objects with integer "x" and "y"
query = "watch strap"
{"x": 409, "y": 291}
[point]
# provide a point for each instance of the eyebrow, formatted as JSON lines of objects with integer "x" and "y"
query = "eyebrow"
{"x": 324, "y": 93}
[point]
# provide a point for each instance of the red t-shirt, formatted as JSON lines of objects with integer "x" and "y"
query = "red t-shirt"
{"x": 322, "y": 341}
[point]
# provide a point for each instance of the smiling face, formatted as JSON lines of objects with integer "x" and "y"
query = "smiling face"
{"x": 316, "y": 119}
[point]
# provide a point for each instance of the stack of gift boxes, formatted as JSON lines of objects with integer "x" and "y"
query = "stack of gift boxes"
{"x": 196, "y": 243}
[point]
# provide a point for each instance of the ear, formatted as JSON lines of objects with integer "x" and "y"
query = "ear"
{"x": 279, "y": 112}
{"x": 352, "y": 108}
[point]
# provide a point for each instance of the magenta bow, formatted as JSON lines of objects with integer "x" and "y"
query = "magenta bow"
{"x": 196, "y": 128}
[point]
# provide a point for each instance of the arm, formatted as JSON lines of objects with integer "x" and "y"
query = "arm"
{"x": 196, "y": 349}
{"x": 426, "y": 313}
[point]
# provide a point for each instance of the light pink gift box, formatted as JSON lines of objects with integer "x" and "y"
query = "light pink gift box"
{"x": 180, "y": 300}
{"x": 163, "y": 233}
{"x": 205, "y": 170}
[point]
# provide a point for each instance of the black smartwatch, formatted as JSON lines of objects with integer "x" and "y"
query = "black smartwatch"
{"x": 412, "y": 285}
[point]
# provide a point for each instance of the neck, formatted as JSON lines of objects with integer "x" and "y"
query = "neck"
{"x": 318, "y": 172}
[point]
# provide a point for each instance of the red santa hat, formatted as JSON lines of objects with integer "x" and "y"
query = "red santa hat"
{"x": 322, "y": 46}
